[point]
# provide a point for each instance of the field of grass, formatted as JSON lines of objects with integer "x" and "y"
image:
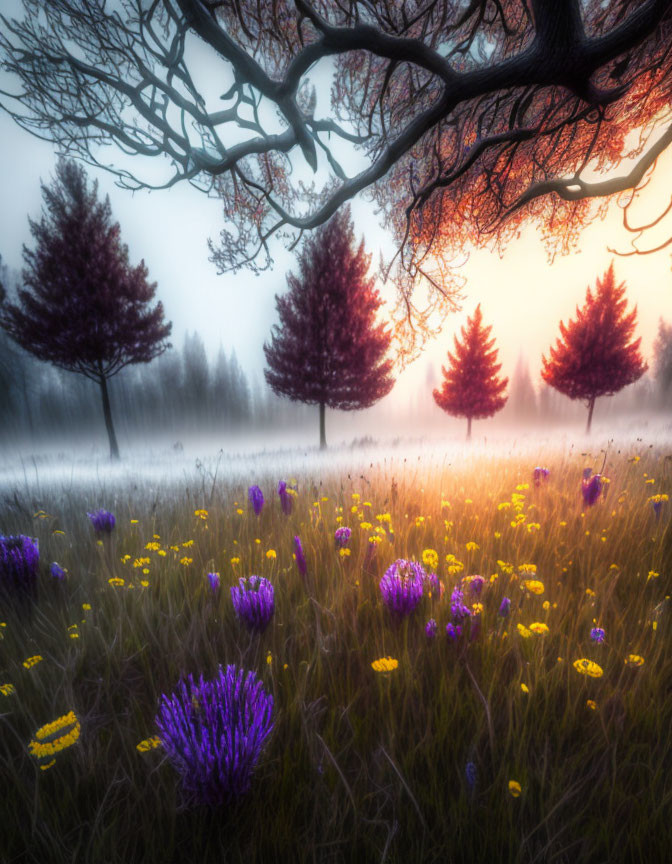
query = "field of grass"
{"x": 361, "y": 765}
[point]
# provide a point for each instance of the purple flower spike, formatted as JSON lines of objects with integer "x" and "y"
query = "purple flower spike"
{"x": 103, "y": 521}
{"x": 470, "y": 774}
{"x": 401, "y": 587}
{"x": 342, "y": 537}
{"x": 57, "y": 572}
{"x": 457, "y": 608}
{"x": 256, "y": 498}
{"x": 656, "y": 507}
{"x": 285, "y": 498}
{"x": 505, "y": 607}
{"x": 253, "y": 602}
{"x": 214, "y": 732}
{"x": 431, "y": 628}
{"x": 597, "y": 634}
{"x": 214, "y": 580}
{"x": 19, "y": 561}
{"x": 590, "y": 489}
{"x": 476, "y": 585}
{"x": 453, "y": 632}
{"x": 300, "y": 557}
{"x": 540, "y": 474}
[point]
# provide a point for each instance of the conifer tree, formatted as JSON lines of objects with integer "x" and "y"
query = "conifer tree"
{"x": 471, "y": 387}
{"x": 593, "y": 356}
{"x": 328, "y": 349}
{"x": 83, "y": 307}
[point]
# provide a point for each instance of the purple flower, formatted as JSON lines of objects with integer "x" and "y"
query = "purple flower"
{"x": 431, "y": 628}
{"x": 102, "y": 520}
{"x": 587, "y": 472}
{"x": 19, "y": 561}
{"x": 342, "y": 537}
{"x": 256, "y": 499}
{"x": 57, "y": 572}
{"x": 214, "y": 732}
{"x": 597, "y": 634}
{"x": 401, "y": 586}
{"x": 453, "y": 632}
{"x": 457, "y": 608}
{"x": 540, "y": 474}
{"x": 590, "y": 489}
{"x": 505, "y": 607}
{"x": 656, "y": 507}
{"x": 300, "y": 557}
{"x": 285, "y": 498}
{"x": 470, "y": 774}
{"x": 476, "y": 585}
{"x": 253, "y": 602}
{"x": 214, "y": 579}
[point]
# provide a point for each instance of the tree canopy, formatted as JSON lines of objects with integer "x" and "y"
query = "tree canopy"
{"x": 461, "y": 120}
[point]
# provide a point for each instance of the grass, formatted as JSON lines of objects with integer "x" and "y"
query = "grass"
{"x": 361, "y": 766}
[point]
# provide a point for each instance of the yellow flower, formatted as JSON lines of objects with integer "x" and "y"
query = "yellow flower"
{"x": 188, "y": 543}
{"x": 144, "y": 583}
{"x": 186, "y": 561}
{"x": 239, "y": 511}
{"x": 145, "y": 571}
{"x": 588, "y": 667}
{"x": 344, "y": 553}
{"x": 153, "y": 546}
{"x": 634, "y": 660}
{"x": 477, "y": 608}
{"x": 257, "y": 541}
{"x": 73, "y": 631}
{"x": 47, "y": 765}
{"x": 546, "y": 605}
{"x": 42, "y": 748}
{"x": 235, "y": 561}
{"x": 141, "y": 562}
{"x": 202, "y": 514}
{"x": 134, "y": 521}
{"x": 7, "y": 689}
{"x": 539, "y": 628}
{"x": 514, "y": 788}
{"x": 527, "y": 569}
{"x": 355, "y": 497}
{"x": 419, "y": 521}
{"x": 430, "y": 558}
{"x": 385, "y": 664}
{"x": 590, "y": 703}
{"x": 524, "y": 688}
{"x": 653, "y": 574}
{"x": 269, "y": 658}
{"x": 471, "y": 545}
{"x": 271, "y": 554}
{"x": 116, "y": 581}
{"x": 148, "y": 744}
{"x": 366, "y": 526}
{"x": 498, "y": 534}
{"x": 86, "y": 607}
{"x": 590, "y": 592}
{"x": 504, "y": 505}
{"x": 534, "y": 586}
{"x": 174, "y": 548}
{"x": 524, "y": 632}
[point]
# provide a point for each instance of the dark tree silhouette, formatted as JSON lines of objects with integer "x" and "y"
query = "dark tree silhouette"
{"x": 328, "y": 349}
{"x": 83, "y": 307}
{"x": 465, "y": 119}
{"x": 471, "y": 387}
{"x": 593, "y": 356}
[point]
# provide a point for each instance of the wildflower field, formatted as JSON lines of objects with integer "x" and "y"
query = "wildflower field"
{"x": 434, "y": 662}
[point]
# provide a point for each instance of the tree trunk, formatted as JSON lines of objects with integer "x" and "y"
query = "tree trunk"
{"x": 469, "y": 429}
{"x": 323, "y": 436}
{"x": 591, "y": 405}
{"x": 114, "y": 447}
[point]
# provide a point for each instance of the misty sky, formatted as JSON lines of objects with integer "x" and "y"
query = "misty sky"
{"x": 521, "y": 295}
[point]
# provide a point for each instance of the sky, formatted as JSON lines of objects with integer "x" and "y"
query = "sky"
{"x": 521, "y": 294}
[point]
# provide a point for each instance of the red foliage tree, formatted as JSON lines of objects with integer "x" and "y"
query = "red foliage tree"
{"x": 84, "y": 308}
{"x": 471, "y": 386}
{"x": 594, "y": 355}
{"x": 328, "y": 349}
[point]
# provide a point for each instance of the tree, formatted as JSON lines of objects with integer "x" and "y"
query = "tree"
{"x": 328, "y": 349}
{"x": 594, "y": 355}
{"x": 83, "y": 307}
{"x": 465, "y": 119}
{"x": 471, "y": 387}
{"x": 662, "y": 361}
{"x": 522, "y": 398}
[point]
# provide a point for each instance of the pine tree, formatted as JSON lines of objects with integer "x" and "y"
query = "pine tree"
{"x": 471, "y": 387}
{"x": 328, "y": 349}
{"x": 662, "y": 354}
{"x": 594, "y": 355}
{"x": 522, "y": 404}
{"x": 83, "y": 307}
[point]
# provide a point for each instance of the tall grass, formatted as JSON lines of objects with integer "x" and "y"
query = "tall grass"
{"x": 361, "y": 766}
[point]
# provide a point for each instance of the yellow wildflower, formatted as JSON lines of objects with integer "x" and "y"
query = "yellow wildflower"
{"x": 539, "y": 628}
{"x": 153, "y": 546}
{"x": 116, "y": 581}
{"x": 148, "y": 744}
{"x": 202, "y": 514}
{"x": 524, "y": 688}
{"x": 235, "y": 561}
{"x": 7, "y": 689}
{"x": 634, "y": 660}
{"x": 42, "y": 748}
{"x": 385, "y": 664}
{"x": 271, "y": 554}
{"x": 590, "y": 703}
{"x": 588, "y": 667}
{"x": 515, "y": 788}
{"x": 534, "y": 586}
{"x": 430, "y": 558}
{"x": 188, "y": 543}
{"x": 471, "y": 545}
{"x": 524, "y": 632}
{"x": 186, "y": 561}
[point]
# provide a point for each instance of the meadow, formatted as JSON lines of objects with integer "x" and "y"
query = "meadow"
{"x": 496, "y": 745}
